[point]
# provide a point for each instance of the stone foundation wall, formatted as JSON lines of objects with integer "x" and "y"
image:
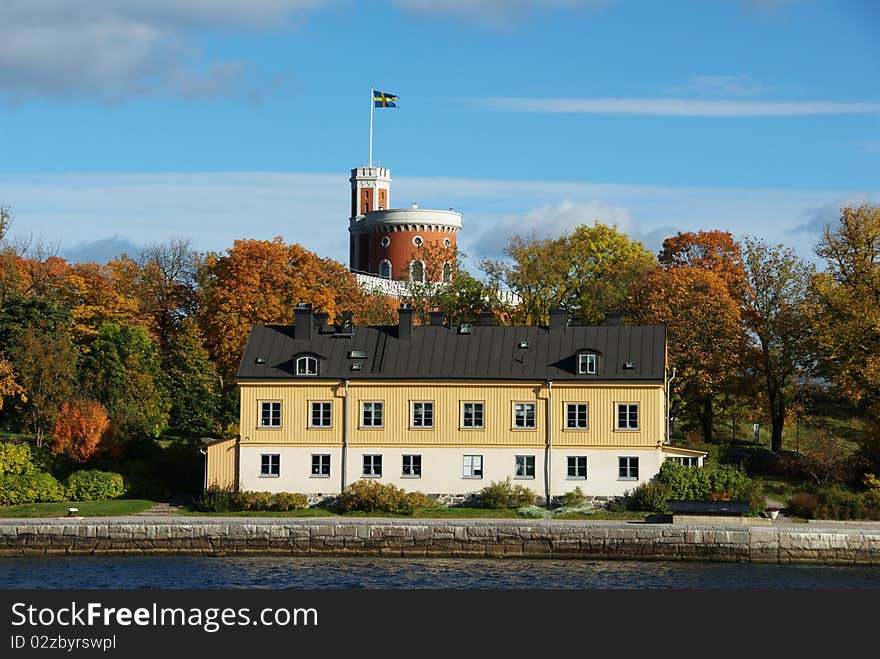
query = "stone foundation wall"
{"x": 442, "y": 538}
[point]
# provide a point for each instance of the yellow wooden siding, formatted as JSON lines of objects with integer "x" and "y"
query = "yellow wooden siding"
{"x": 498, "y": 400}
{"x": 222, "y": 464}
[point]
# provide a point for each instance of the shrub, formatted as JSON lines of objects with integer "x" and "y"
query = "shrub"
{"x": 651, "y": 496}
{"x": 92, "y": 485}
{"x": 837, "y": 503}
{"x": 803, "y": 505}
{"x": 15, "y": 458}
{"x": 532, "y": 512}
{"x": 32, "y": 487}
{"x": 224, "y": 500}
{"x": 574, "y": 498}
{"x": 372, "y": 496}
{"x": 719, "y": 482}
{"x": 502, "y": 494}
{"x": 285, "y": 501}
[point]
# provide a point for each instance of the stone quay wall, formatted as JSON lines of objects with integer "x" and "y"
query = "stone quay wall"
{"x": 441, "y": 538}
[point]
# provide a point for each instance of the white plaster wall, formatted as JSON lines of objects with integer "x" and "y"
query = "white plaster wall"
{"x": 442, "y": 469}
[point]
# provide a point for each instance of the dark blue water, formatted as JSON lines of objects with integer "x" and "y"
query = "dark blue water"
{"x": 375, "y": 573}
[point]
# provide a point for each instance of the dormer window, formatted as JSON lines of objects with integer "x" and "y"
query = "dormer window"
{"x": 306, "y": 365}
{"x": 587, "y": 363}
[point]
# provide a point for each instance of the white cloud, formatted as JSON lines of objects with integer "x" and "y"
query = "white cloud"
{"x": 720, "y": 85}
{"x": 113, "y": 50}
{"x": 214, "y": 209}
{"x": 548, "y": 221}
{"x": 676, "y": 107}
{"x": 493, "y": 12}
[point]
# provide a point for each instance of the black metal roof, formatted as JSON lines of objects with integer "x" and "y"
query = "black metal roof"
{"x": 488, "y": 352}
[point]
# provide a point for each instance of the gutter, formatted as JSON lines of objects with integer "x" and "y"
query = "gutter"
{"x": 549, "y": 450}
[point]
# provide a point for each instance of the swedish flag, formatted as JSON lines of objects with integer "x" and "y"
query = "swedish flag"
{"x": 384, "y": 100}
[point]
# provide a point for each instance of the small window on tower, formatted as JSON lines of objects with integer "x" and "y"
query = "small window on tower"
{"x": 447, "y": 242}
{"x": 417, "y": 241}
{"x": 385, "y": 269}
{"x": 386, "y": 240}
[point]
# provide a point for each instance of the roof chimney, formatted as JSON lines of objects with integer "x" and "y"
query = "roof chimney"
{"x": 436, "y": 318}
{"x": 487, "y": 318}
{"x": 612, "y": 319}
{"x": 302, "y": 321}
{"x": 558, "y": 320}
{"x": 321, "y": 321}
{"x": 404, "y": 331}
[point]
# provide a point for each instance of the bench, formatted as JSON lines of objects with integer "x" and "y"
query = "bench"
{"x": 706, "y": 507}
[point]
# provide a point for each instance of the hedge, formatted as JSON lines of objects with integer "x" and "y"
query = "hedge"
{"x": 34, "y": 487}
{"x": 91, "y": 485}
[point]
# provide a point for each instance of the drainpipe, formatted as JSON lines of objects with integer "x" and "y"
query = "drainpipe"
{"x": 344, "y": 435}
{"x": 204, "y": 470}
{"x": 548, "y": 452}
{"x": 668, "y": 389}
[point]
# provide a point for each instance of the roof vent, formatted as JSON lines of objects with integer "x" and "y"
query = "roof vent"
{"x": 357, "y": 354}
{"x": 357, "y": 366}
{"x": 524, "y": 345}
{"x": 629, "y": 366}
{"x": 464, "y": 328}
{"x": 259, "y": 360}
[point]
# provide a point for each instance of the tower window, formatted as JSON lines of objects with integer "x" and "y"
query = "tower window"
{"x": 418, "y": 241}
{"x": 447, "y": 273}
{"x": 417, "y": 271}
{"x": 385, "y": 241}
{"x": 447, "y": 242}
{"x": 385, "y": 269}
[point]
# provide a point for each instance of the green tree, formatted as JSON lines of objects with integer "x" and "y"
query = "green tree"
{"x": 46, "y": 366}
{"x": 122, "y": 371}
{"x": 776, "y": 317}
{"x": 589, "y": 272}
{"x": 193, "y": 383}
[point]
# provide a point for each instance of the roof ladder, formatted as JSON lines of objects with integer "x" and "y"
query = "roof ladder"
{"x": 379, "y": 353}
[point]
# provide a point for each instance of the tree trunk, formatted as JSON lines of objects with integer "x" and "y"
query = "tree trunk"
{"x": 707, "y": 416}
{"x": 777, "y": 415}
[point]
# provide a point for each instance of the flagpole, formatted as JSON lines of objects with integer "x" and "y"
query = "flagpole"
{"x": 372, "y": 93}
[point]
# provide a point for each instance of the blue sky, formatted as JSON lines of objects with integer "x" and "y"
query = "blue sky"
{"x": 128, "y": 123}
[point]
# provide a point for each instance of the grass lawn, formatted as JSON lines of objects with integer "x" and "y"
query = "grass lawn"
{"x": 109, "y": 508}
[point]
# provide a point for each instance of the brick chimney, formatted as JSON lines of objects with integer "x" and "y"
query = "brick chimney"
{"x": 435, "y": 318}
{"x": 487, "y": 318}
{"x": 558, "y": 320}
{"x": 302, "y": 321}
{"x": 404, "y": 331}
{"x": 612, "y": 319}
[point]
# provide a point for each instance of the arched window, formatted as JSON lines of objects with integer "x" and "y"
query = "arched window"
{"x": 447, "y": 273}
{"x": 418, "y": 241}
{"x": 306, "y": 365}
{"x": 385, "y": 269}
{"x": 386, "y": 240}
{"x": 447, "y": 243}
{"x": 417, "y": 271}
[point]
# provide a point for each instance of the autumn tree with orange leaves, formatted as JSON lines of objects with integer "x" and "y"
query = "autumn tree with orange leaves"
{"x": 705, "y": 337}
{"x": 79, "y": 428}
{"x": 260, "y": 282}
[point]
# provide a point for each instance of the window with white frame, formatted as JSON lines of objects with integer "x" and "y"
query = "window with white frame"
{"x": 306, "y": 365}
{"x": 628, "y": 468}
{"x": 270, "y": 414}
{"x": 385, "y": 269}
{"x": 523, "y": 415}
{"x": 576, "y": 416}
{"x": 411, "y": 467}
{"x": 471, "y": 415}
{"x": 577, "y": 467}
{"x": 270, "y": 465}
{"x": 588, "y": 363}
{"x": 422, "y": 414}
{"x": 627, "y": 416}
{"x": 321, "y": 465}
{"x": 525, "y": 466}
{"x": 321, "y": 416}
{"x": 473, "y": 466}
{"x": 371, "y": 414}
{"x": 372, "y": 466}
{"x": 685, "y": 461}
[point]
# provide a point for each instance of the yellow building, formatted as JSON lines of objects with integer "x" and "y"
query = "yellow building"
{"x": 447, "y": 409}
